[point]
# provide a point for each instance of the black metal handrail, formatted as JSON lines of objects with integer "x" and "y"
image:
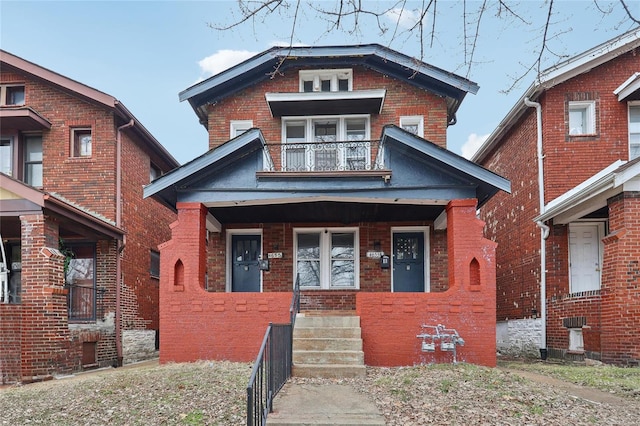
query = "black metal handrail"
{"x": 272, "y": 367}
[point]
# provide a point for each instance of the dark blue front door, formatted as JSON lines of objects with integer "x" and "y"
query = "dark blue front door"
{"x": 408, "y": 261}
{"x": 245, "y": 274}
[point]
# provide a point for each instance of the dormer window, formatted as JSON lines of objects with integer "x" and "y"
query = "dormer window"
{"x": 337, "y": 80}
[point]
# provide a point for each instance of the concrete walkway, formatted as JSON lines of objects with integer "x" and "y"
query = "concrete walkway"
{"x": 322, "y": 404}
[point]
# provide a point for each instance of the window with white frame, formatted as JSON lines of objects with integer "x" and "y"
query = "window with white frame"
{"x": 332, "y": 80}
{"x": 6, "y": 156}
{"x": 238, "y": 127}
{"x": 326, "y": 258}
{"x": 326, "y": 143}
{"x": 634, "y": 131}
{"x": 582, "y": 118}
{"x": 11, "y": 94}
{"x": 413, "y": 124}
{"x": 81, "y": 142}
{"x": 576, "y": 341}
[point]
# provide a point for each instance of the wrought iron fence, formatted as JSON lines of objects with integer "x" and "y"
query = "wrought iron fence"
{"x": 323, "y": 156}
{"x": 272, "y": 367}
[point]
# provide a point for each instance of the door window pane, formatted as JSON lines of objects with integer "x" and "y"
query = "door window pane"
{"x": 342, "y": 260}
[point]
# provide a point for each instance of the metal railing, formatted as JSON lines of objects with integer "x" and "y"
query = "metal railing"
{"x": 272, "y": 367}
{"x": 84, "y": 303}
{"x": 325, "y": 156}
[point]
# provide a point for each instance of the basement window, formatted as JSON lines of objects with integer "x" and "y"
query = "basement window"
{"x": 576, "y": 342}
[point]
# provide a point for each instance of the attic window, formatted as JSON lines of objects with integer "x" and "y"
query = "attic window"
{"x": 582, "y": 118}
{"x": 11, "y": 95}
{"x": 337, "y": 80}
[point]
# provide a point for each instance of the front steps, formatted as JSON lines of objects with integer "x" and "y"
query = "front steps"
{"x": 327, "y": 345}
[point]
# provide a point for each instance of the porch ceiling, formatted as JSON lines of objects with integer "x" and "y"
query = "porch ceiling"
{"x": 326, "y": 211}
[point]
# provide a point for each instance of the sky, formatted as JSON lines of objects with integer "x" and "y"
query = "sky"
{"x": 144, "y": 53}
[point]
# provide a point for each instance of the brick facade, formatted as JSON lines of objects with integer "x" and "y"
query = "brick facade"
{"x": 568, "y": 161}
{"x": 49, "y": 343}
{"x": 235, "y": 322}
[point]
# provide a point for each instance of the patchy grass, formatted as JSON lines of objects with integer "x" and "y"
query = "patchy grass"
{"x": 616, "y": 380}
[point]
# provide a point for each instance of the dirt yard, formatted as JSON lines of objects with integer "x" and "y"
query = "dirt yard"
{"x": 213, "y": 393}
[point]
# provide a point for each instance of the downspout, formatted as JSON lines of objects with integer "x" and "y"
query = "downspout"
{"x": 120, "y": 244}
{"x": 544, "y": 229}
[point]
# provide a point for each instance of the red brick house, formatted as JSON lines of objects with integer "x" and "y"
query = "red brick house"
{"x": 74, "y": 224}
{"x": 327, "y": 166}
{"x": 569, "y": 234}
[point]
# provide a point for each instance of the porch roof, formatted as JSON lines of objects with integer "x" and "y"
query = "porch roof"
{"x": 17, "y": 198}
{"x": 592, "y": 194}
{"x": 416, "y": 182}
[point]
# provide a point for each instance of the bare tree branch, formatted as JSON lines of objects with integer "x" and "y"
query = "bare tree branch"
{"x": 629, "y": 14}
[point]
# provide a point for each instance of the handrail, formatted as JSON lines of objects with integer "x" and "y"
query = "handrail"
{"x": 273, "y": 365}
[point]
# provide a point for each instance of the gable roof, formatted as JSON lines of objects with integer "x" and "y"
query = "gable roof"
{"x": 231, "y": 181}
{"x": 373, "y": 56}
{"x": 12, "y": 62}
{"x": 556, "y": 75}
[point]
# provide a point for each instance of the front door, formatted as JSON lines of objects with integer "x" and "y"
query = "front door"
{"x": 584, "y": 256}
{"x": 408, "y": 262}
{"x": 245, "y": 271}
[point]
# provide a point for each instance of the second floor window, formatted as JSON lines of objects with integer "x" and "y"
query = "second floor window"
{"x": 326, "y": 143}
{"x": 634, "y": 131}
{"x": 11, "y": 95}
{"x": 33, "y": 160}
{"x": 582, "y": 118}
{"x": 81, "y": 142}
{"x": 6, "y": 156}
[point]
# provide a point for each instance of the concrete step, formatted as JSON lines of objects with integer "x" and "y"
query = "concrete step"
{"x": 327, "y": 344}
{"x": 303, "y": 321}
{"x": 318, "y": 332}
{"x": 332, "y": 371}
{"x": 328, "y": 357}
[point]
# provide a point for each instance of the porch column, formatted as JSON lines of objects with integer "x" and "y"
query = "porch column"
{"x": 187, "y": 253}
{"x": 620, "y": 289}
{"x": 45, "y": 337}
{"x": 466, "y": 242}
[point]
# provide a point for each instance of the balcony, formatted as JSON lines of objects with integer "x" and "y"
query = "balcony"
{"x": 320, "y": 156}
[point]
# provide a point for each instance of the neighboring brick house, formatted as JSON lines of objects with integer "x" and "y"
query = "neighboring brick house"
{"x": 327, "y": 166}
{"x": 569, "y": 234}
{"x": 73, "y": 164}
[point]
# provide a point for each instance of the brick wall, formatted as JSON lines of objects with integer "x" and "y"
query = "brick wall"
{"x": 621, "y": 282}
{"x": 401, "y": 99}
{"x": 196, "y": 324}
{"x": 10, "y": 343}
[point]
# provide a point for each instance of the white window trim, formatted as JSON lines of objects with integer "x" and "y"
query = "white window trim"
{"x": 325, "y": 256}
{"x": 236, "y": 125}
{"x": 427, "y": 251}
{"x": 325, "y": 74}
{"x": 406, "y": 120}
{"x": 590, "y": 116}
{"x": 229, "y": 261}
{"x": 600, "y": 226}
{"x": 341, "y": 133}
{"x": 635, "y": 104}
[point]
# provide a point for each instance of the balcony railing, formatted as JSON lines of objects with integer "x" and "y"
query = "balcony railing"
{"x": 324, "y": 156}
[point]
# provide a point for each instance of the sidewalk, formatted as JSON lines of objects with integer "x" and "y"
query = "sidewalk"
{"x": 322, "y": 404}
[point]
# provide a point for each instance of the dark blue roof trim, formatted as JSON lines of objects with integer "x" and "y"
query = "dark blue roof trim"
{"x": 374, "y": 56}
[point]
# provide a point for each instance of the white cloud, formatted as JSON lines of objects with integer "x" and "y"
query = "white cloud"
{"x": 222, "y": 60}
{"x": 404, "y": 18}
{"x": 472, "y": 144}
